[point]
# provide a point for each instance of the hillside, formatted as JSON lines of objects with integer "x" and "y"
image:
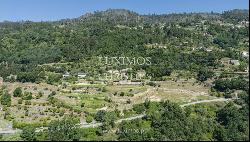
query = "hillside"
{"x": 122, "y": 76}
{"x": 122, "y": 33}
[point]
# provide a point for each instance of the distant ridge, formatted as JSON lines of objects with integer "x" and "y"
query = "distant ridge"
{"x": 124, "y": 15}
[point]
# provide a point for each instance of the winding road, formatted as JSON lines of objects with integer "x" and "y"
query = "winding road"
{"x": 206, "y": 101}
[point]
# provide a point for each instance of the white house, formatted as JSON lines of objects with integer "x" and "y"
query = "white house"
{"x": 245, "y": 54}
{"x": 235, "y": 62}
{"x": 81, "y": 75}
{"x": 209, "y": 49}
{"x": 12, "y": 76}
{"x": 66, "y": 75}
{"x": 128, "y": 82}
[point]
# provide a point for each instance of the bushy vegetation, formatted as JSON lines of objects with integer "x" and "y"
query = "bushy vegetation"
{"x": 166, "y": 121}
{"x": 25, "y": 46}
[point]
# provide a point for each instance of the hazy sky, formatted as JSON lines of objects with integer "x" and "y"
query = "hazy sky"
{"x": 44, "y": 10}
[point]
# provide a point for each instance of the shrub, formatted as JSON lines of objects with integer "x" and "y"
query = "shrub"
{"x": 27, "y": 96}
{"x": 122, "y": 94}
{"x": 20, "y": 101}
{"x": 17, "y": 92}
{"x": 89, "y": 119}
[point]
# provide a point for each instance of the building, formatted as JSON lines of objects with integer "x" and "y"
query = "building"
{"x": 228, "y": 61}
{"x": 66, "y": 75}
{"x": 245, "y": 23}
{"x": 127, "y": 82}
{"x": 12, "y": 77}
{"x": 225, "y": 61}
{"x": 81, "y": 75}
{"x": 209, "y": 49}
{"x": 245, "y": 54}
{"x": 1, "y": 81}
{"x": 235, "y": 62}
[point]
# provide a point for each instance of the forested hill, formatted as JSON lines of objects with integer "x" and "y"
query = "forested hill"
{"x": 170, "y": 40}
{"x": 127, "y": 17}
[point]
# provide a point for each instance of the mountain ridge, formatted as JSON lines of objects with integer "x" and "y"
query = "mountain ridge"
{"x": 131, "y": 15}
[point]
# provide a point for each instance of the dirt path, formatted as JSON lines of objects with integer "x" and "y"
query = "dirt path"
{"x": 206, "y": 101}
{"x": 2, "y": 131}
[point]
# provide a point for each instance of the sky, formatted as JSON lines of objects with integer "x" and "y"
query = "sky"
{"x": 51, "y": 10}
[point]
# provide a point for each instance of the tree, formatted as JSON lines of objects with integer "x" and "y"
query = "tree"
{"x": 89, "y": 119}
{"x": 134, "y": 131}
{"x": 17, "y": 92}
{"x": 204, "y": 74}
{"x": 27, "y": 96}
{"x": 238, "y": 83}
{"x": 53, "y": 78}
{"x": 234, "y": 123}
{"x": 28, "y": 133}
{"x": 64, "y": 130}
{"x": 100, "y": 115}
{"x": 6, "y": 98}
